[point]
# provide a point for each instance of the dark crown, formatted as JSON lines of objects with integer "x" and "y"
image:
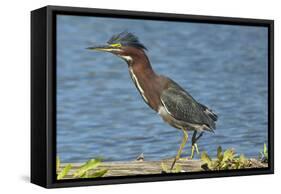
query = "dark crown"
{"x": 126, "y": 39}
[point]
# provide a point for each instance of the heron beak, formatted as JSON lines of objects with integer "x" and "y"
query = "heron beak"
{"x": 107, "y": 48}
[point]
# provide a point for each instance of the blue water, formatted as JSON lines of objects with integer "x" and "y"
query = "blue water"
{"x": 101, "y": 114}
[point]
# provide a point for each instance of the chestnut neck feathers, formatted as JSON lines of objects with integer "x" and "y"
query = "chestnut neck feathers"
{"x": 148, "y": 83}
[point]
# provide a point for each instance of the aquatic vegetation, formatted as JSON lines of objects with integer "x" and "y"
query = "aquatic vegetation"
{"x": 225, "y": 160}
{"x": 263, "y": 155}
{"x": 64, "y": 171}
{"x": 87, "y": 170}
{"x": 166, "y": 169}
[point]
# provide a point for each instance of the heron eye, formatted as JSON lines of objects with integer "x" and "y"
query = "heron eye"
{"x": 117, "y": 45}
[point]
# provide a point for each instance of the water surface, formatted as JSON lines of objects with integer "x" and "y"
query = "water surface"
{"x": 101, "y": 114}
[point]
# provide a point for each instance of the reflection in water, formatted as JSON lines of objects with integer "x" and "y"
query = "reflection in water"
{"x": 100, "y": 112}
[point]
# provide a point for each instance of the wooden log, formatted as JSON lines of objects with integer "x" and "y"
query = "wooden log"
{"x": 129, "y": 168}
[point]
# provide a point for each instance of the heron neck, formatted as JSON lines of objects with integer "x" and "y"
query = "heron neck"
{"x": 140, "y": 64}
{"x": 145, "y": 79}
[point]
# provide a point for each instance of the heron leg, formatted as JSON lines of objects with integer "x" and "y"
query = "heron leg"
{"x": 184, "y": 140}
{"x": 194, "y": 144}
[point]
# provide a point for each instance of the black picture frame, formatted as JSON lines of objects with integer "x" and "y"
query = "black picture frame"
{"x": 43, "y": 94}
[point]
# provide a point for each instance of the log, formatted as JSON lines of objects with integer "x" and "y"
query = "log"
{"x": 130, "y": 168}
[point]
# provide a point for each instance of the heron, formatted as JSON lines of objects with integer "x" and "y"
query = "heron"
{"x": 167, "y": 98}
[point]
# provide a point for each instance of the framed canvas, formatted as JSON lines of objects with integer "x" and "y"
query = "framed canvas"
{"x": 126, "y": 96}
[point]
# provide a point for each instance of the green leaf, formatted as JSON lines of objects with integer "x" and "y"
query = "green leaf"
{"x": 205, "y": 158}
{"x": 263, "y": 155}
{"x": 241, "y": 162}
{"x": 228, "y": 155}
{"x": 266, "y": 156}
{"x": 177, "y": 168}
{"x": 64, "y": 172}
{"x": 97, "y": 174}
{"x": 219, "y": 153}
{"x": 264, "y": 148}
{"x": 90, "y": 164}
{"x": 223, "y": 166}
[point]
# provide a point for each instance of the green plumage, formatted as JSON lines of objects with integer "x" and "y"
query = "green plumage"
{"x": 183, "y": 107}
{"x": 126, "y": 39}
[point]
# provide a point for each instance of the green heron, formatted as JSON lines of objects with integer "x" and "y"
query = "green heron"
{"x": 174, "y": 104}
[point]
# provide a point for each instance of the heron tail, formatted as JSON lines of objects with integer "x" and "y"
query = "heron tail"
{"x": 209, "y": 112}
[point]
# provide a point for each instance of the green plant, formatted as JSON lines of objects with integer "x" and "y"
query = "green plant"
{"x": 225, "y": 160}
{"x": 64, "y": 171}
{"x": 166, "y": 169}
{"x": 87, "y": 170}
{"x": 263, "y": 155}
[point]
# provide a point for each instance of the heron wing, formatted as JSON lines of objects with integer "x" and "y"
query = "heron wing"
{"x": 182, "y": 106}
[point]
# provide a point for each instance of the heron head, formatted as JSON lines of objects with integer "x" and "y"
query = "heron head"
{"x": 125, "y": 45}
